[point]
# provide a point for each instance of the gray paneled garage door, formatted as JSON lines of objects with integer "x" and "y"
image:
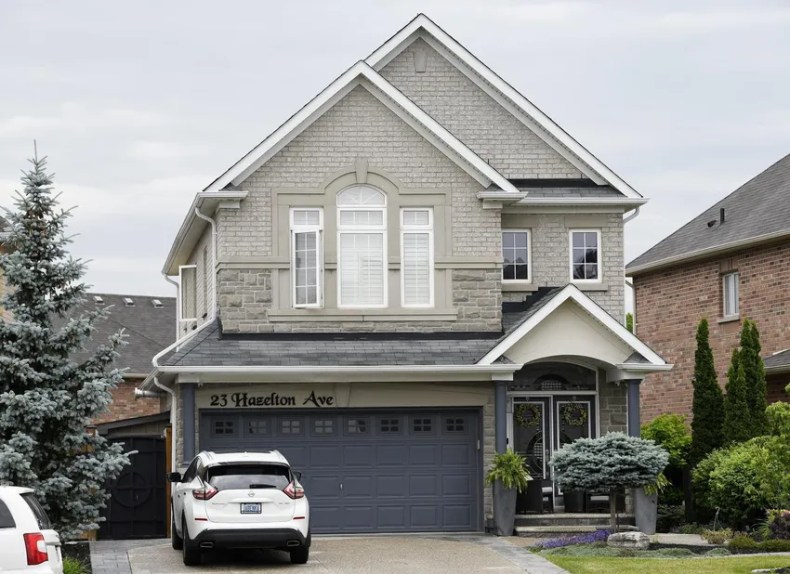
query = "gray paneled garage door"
{"x": 366, "y": 470}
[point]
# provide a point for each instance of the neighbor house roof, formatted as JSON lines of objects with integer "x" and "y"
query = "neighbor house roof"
{"x": 778, "y": 362}
{"x": 757, "y": 211}
{"x": 149, "y": 327}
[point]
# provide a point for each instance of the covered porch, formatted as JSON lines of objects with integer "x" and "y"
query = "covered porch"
{"x": 580, "y": 377}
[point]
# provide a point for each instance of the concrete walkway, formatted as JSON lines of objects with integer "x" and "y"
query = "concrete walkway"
{"x": 334, "y": 554}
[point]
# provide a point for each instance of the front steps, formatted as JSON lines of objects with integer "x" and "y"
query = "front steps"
{"x": 567, "y": 524}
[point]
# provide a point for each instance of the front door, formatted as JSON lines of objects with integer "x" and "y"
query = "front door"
{"x": 542, "y": 424}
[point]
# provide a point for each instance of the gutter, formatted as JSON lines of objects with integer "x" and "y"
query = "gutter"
{"x": 340, "y": 369}
{"x": 707, "y": 252}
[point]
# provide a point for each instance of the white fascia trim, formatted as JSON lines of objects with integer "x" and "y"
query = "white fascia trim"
{"x": 573, "y": 292}
{"x": 707, "y": 252}
{"x": 339, "y": 370}
{"x": 502, "y": 195}
{"x": 384, "y": 54}
{"x": 644, "y": 367}
{"x": 201, "y": 198}
{"x": 629, "y": 201}
{"x": 333, "y": 93}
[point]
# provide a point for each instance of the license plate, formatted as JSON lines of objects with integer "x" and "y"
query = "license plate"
{"x": 250, "y": 507}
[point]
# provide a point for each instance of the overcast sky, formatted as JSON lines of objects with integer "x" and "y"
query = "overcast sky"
{"x": 139, "y": 105}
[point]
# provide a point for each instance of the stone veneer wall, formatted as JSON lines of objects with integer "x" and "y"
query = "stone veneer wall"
{"x": 359, "y": 126}
{"x": 550, "y": 235}
{"x": 670, "y": 303}
{"x": 613, "y": 406}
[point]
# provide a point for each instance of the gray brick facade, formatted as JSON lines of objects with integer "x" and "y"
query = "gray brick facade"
{"x": 474, "y": 117}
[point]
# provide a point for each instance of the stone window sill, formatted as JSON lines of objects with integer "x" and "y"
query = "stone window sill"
{"x": 729, "y": 319}
{"x": 524, "y": 286}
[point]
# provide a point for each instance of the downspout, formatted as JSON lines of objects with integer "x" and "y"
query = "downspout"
{"x": 630, "y": 217}
{"x": 180, "y": 341}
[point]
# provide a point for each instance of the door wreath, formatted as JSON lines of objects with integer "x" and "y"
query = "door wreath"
{"x": 574, "y": 414}
{"x": 528, "y": 415}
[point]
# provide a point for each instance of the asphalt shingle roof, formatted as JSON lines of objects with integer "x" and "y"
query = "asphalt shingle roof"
{"x": 148, "y": 328}
{"x": 213, "y": 348}
{"x": 778, "y": 360}
{"x": 759, "y": 207}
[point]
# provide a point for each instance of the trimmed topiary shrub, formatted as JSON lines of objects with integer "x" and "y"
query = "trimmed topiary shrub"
{"x": 608, "y": 463}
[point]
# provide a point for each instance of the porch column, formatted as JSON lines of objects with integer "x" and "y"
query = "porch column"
{"x": 188, "y": 420}
{"x": 633, "y": 406}
{"x": 500, "y": 415}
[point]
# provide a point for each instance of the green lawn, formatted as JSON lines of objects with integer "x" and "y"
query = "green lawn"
{"x": 609, "y": 565}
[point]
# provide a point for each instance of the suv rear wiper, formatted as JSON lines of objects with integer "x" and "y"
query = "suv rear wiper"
{"x": 256, "y": 485}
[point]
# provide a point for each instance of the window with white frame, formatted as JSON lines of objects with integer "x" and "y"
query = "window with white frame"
{"x": 362, "y": 247}
{"x": 306, "y": 264}
{"x": 730, "y": 294}
{"x": 585, "y": 255}
{"x": 516, "y": 255}
{"x": 417, "y": 257}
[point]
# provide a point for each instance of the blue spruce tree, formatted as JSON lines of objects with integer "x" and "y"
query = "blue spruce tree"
{"x": 47, "y": 399}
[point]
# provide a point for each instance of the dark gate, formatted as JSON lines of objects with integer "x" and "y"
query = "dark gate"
{"x": 137, "y": 507}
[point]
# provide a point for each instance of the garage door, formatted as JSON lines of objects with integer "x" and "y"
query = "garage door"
{"x": 368, "y": 471}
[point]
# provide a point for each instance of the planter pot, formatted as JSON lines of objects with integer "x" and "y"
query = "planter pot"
{"x": 504, "y": 509}
{"x": 575, "y": 501}
{"x": 534, "y": 496}
{"x": 645, "y": 511}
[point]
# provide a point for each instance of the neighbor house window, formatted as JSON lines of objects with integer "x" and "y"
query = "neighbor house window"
{"x": 362, "y": 264}
{"x": 417, "y": 257}
{"x": 585, "y": 255}
{"x": 515, "y": 256}
{"x": 730, "y": 294}
{"x": 306, "y": 264}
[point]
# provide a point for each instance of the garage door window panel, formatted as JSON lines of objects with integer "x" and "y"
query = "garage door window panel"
{"x": 291, "y": 426}
{"x": 324, "y": 427}
{"x": 422, "y": 425}
{"x": 257, "y": 427}
{"x": 389, "y": 426}
{"x": 223, "y": 427}
{"x": 357, "y": 426}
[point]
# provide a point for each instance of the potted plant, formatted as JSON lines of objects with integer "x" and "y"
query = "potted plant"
{"x": 508, "y": 474}
{"x": 646, "y": 504}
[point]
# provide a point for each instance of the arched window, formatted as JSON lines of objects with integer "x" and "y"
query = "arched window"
{"x": 362, "y": 247}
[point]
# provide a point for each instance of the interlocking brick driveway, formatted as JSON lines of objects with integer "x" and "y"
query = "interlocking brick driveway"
{"x": 350, "y": 555}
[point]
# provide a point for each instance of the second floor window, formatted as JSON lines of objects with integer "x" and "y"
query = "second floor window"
{"x": 730, "y": 294}
{"x": 515, "y": 256}
{"x": 585, "y": 255}
{"x": 306, "y": 228}
{"x": 417, "y": 257}
{"x": 362, "y": 263}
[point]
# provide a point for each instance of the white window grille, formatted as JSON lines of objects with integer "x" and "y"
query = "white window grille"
{"x": 306, "y": 257}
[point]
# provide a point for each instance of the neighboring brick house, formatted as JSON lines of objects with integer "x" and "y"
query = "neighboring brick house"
{"x": 729, "y": 263}
{"x": 149, "y": 324}
{"x": 415, "y": 270}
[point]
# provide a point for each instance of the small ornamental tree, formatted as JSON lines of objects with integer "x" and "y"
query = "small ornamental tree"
{"x": 708, "y": 401}
{"x": 46, "y": 398}
{"x": 610, "y": 463}
{"x": 737, "y": 419}
{"x": 754, "y": 375}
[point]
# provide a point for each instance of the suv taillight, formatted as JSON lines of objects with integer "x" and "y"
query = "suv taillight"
{"x": 294, "y": 489}
{"x": 36, "y": 548}
{"x": 204, "y": 493}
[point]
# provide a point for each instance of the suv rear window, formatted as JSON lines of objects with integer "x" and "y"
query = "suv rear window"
{"x": 6, "y": 519}
{"x": 38, "y": 511}
{"x": 237, "y": 476}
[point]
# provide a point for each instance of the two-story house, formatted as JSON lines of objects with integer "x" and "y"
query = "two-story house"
{"x": 416, "y": 270}
{"x": 730, "y": 262}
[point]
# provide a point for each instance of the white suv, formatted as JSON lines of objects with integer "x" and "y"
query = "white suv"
{"x": 239, "y": 500}
{"x": 28, "y": 545}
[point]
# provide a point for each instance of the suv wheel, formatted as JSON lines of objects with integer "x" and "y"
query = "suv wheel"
{"x": 302, "y": 554}
{"x": 175, "y": 539}
{"x": 191, "y": 551}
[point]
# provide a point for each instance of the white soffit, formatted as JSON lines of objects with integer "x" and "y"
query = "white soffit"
{"x": 525, "y": 111}
{"x": 464, "y": 157}
{"x": 571, "y": 292}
